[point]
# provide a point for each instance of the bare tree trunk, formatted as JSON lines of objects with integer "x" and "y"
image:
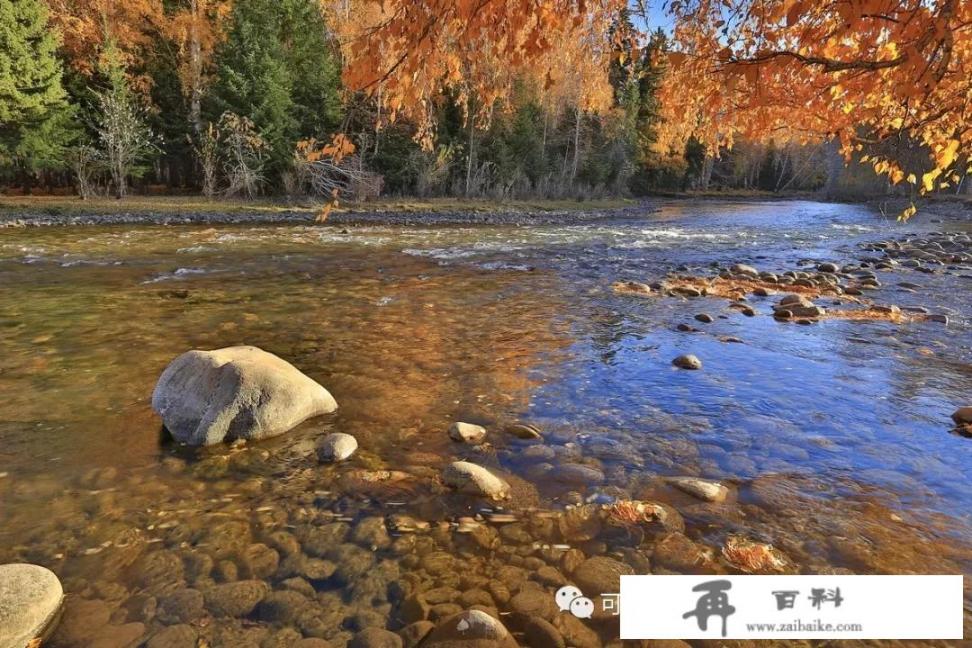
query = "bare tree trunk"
{"x": 543, "y": 143}
{"x": 195, "y": 70}
{"x": 377, "y": 123}
{"x": 706, "y": 172}
{"x": 469, "y": 155}
{"x": 835, "y": 167}
{"x": 577, "y": 127}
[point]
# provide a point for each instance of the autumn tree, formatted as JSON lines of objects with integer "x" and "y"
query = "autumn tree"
{"x": 196, "y": 29}
{"x": 862, "y": 72}
{"x": 87, "y": 25}
{"x": 858, "y": 71}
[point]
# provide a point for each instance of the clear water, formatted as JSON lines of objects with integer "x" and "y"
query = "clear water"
{"x": 834, "y": 437}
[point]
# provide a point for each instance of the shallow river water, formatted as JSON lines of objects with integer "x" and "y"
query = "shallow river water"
{"x": 832, "y": 438}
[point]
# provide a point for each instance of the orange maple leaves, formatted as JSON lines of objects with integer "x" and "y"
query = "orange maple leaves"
{"x": 861, "y": 71}
{"x": 409, "y": 54}
{"x": 867, "y": 72}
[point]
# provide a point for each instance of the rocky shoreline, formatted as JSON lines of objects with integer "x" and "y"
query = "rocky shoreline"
{"x": 500, "y": 216}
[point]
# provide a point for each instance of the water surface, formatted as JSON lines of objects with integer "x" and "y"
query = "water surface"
{"x": 833, "y": 437}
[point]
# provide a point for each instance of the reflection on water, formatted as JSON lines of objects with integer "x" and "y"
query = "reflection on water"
{"x": 832, "y": 437}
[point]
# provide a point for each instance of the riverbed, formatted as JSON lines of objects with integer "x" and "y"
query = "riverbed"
{"x": 832, "y": 438}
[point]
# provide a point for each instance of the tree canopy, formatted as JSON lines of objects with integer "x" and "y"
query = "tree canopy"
{"x": 861, "y": 71}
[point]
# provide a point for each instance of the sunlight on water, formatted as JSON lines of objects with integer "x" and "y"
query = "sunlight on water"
{"x": 833, "y": 437}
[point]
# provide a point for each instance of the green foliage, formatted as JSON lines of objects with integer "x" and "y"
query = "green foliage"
{"x": 277, "y": 68}
{"x": 123, "y": 136}
{"x": 35, "y": 118}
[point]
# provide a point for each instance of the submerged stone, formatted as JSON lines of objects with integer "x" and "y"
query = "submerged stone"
{"x": 700, "y": 488}
{"x": 337, "y": 447}
{"x": 470, "y": 478}
{"x": 30, "y": 597}
{"x": 467, "y": 432}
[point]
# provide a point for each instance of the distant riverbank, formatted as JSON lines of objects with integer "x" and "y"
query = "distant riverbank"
{"x": 35, "y": 211}
{"x": 46, "y": 211}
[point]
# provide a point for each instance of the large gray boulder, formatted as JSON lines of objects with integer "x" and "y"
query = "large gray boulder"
{"x": 206, "y": 397}
{"x": 30, "y": 599}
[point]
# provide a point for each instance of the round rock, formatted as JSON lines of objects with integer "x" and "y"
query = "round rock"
{"x": 241, "y": 392}
{"x": 30, "y": 597}
{"x": 376, "y": 638}
{"x": 467, "y": 433}
{"x": 687, "y": 361}
{"x": 469, "y": 478}
{"x": 963, "y": 416}
{"x": 600, "y": 574}
{"x": 700, "y": 488}
{"x": 336, "y": 447}
{"x": 469, "y": 628}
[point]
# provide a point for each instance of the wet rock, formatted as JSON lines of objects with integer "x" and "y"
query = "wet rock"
{"x": 414, "y": 608}
{"x": 444, "y": 610}
{"x": 299, "y": 585}
{"x": 540, "y": 632}
{"x": 631, "y": 287}
{"x": 687, "y": 361}
{"x": 686, "y": 291}
{"x": 206, "y": 397}
{"x": 82, "y": 620}
{"x": 743, "y": 269}
{"x": 319, "y": 540}
{"x": 30, "y": 598}
{"x": 794, "y": 299}
{"x": 467, "y": 433}
{"x": 575, "y": 632}
{"x": 963, "y": 416}
{"x": 797, "y": 306}
{"x": 235, "y": 599}
{"x": 470, "y": 628}
{"x": 574, "y": 474}
{"x": 831, "y": 268}
{"x": 371, "y": 532}
{"x": 889, "y": 310}
{"x": 474, "y": 480}
{"x": 600, "y": 574}
{"x": 140, "y": 607}
{"x": 182, "y": 606}
{"x": 284, "y": 542}
{"x": 352, "y": 562}
{"x": 523, "y": 431}
{"x": 705, "y": 318}
{"x": 700, "y": 488}
{"x": 312, "y": 642}
{"x": 677, "y": 553}
{"x": 259, "y": 561}
{"x": 413, "y": 634}
{"x": 685, "y": 328}
{"x": 530, "y": 603}
{"x": 282, "y": 607}
{"x": 336, "y": 447}
{"x": 175, "y": 636}
{"x": 376, "y": 638}
{"x": 128, "y": 635}
{"x": 158, "y": 568}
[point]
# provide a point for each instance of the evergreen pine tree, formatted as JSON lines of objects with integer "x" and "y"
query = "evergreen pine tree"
{"x": 34, "y": 113}
{"x": 277, "y": 68}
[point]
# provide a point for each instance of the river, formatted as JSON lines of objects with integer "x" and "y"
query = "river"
{"x": 833, "y": 438}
